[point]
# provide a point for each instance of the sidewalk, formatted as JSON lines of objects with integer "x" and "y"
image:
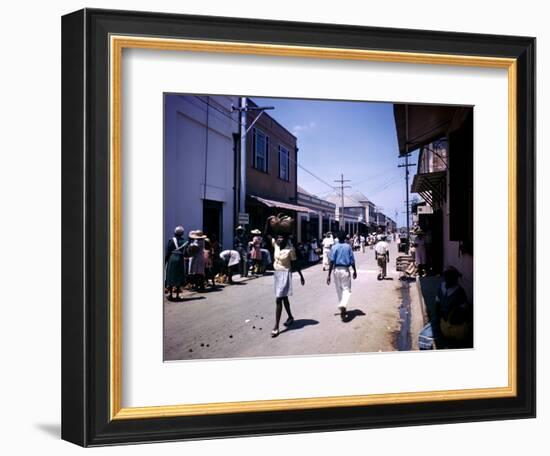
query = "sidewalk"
{"x": 418, "y": 313}
{"x": 426, "y": 288}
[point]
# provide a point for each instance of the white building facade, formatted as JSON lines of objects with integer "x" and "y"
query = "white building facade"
{"x": 200, "y": 135}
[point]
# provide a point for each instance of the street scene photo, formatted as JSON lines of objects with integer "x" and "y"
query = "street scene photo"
{"x": 298, "y": 227}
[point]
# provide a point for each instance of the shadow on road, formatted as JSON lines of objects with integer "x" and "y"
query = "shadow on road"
{"x": 351, "y": 314}
{"x": 212, "y": 290}
{"x": 299, "y": 324}
{"x": 407, "y": 279}
{"x": 192, "y": 298}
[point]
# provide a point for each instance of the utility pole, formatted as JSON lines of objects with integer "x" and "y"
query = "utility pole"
{"x": 242, "y": 183}
{"x": 341, "y": 222}
{"x": 407, "y": 165}
{"x": 244, "y": 129}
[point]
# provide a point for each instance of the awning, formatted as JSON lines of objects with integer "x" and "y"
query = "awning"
{"x": 419, "y": 125}
{"x": 281, "y": 205}
{"x": 431, "y": 186}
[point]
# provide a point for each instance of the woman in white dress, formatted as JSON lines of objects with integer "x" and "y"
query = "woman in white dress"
{"x": 284, "y": 260}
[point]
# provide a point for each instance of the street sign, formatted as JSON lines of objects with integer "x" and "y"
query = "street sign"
{"x": 425, "y": 209}
{"x": 244, "y": 218}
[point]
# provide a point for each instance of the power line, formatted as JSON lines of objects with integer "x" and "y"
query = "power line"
{"x": 275, "y": 150}
{"x": 375, "y": 176}
{"x": 270, "y": 146}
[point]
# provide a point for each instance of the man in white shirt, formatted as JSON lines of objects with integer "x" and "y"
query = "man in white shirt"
{"x": 382, "y": 256}
{"x": 328, "y": 242}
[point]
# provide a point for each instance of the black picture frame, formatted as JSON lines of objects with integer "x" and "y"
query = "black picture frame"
{"x": 85, "y": 227}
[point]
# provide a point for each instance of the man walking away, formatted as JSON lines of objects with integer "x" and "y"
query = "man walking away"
{"x": 382, "y": 256}
{"x": 341, "y": 259}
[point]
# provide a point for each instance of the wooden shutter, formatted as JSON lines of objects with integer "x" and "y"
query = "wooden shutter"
{"x": 461, "y": 181}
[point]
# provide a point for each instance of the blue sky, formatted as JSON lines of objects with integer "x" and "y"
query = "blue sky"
{"x": 357, "y": 139}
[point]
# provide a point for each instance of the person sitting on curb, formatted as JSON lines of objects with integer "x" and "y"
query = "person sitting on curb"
{"x": 453, "y": 314}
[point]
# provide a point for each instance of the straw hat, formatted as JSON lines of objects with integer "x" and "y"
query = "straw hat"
{"x": 256, "y": 231}
{"x": 197, "y": 234}
{"x": 239, "y": 228}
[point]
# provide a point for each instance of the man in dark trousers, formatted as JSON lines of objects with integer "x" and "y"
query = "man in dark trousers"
{"x": 240, "y": 244}
{"x": 382, "y": 256}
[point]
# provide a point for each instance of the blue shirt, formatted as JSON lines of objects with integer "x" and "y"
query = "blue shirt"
{"x": 341, "y": 254}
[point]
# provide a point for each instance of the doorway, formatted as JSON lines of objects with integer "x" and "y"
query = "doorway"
{"x": 212, "y": 214}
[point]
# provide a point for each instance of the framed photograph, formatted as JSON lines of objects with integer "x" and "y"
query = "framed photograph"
{"x": 277, "y": 227}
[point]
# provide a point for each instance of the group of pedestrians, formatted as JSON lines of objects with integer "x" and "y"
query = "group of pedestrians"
{"x": 189, "y": 261}
{"x": 196, "y": 261}
{"x": 338, "y": 257}
{"x": 254, "y": 253}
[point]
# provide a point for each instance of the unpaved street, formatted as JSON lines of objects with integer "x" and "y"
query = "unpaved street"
{"x": 236, "y": 321}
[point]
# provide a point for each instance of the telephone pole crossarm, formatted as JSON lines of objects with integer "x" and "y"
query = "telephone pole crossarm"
{"x": 341, "y": 181}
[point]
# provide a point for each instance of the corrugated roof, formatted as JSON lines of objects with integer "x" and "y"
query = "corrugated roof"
{"x": 281, "y": 205}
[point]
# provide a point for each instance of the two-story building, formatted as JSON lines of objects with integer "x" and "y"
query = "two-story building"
{"x": 319, "y": 220}
{"x": 359, "y": 212}
{"x": 271, "y": 169}
{"x": 350, "y": 216}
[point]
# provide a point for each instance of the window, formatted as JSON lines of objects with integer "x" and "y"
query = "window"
{"x": 261, "y": 143}
{"x": 284, "y": 164}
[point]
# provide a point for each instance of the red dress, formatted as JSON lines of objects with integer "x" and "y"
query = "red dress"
{"x": 256, "y": 253}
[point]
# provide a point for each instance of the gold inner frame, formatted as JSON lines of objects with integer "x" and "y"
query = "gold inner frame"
{"x": 117, "y": 44}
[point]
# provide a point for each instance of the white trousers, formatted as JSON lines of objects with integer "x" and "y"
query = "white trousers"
{"x": 342, "y": 282}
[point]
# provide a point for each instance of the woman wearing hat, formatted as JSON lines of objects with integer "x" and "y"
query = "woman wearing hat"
{"x": 197, "y": 264}
{"x": 175, "y": 263}
{"x": 256, "y": 252}
{"x": 453, "y": 316}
